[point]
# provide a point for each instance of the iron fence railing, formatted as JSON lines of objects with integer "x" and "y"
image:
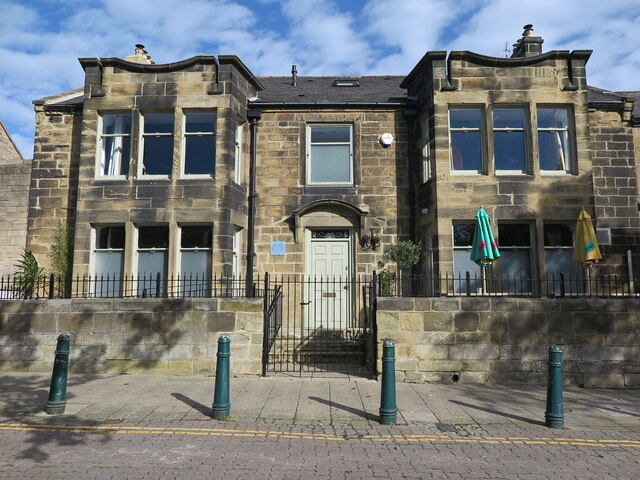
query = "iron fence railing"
{"x": 387, "y": 284}
{"x": 476, "y": 285}
{"x": 317, "y": 324}
{"x": 128, "y": 286}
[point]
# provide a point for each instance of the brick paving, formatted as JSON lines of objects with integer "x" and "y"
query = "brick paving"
{"x": 158, "y": 427}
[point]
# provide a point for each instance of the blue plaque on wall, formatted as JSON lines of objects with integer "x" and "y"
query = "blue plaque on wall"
{"x": 277, "y": 248}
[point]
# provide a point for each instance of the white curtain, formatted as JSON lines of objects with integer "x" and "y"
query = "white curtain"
{"x": 112, "y": 148}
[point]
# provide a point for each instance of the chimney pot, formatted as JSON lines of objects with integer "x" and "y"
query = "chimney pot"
{"x": 528, "y": 45}
{"x": 140, "y": 55}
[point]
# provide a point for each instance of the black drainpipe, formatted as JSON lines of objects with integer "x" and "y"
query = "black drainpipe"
{"x": 253, "y": 116}
{"x": 410, "y": 115}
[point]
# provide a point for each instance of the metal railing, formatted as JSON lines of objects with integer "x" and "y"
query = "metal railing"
{"x": 475, "y": 285}
{"x": 317, "y": 324}
{"x": 128, "y": 286}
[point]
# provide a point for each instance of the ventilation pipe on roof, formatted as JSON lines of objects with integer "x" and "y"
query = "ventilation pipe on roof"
{"x": 294, "y": 76}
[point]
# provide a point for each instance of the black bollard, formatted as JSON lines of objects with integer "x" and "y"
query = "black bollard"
{"x": 221, "y": 402}
{"x": 554, "y": 416}
{"x": 58, "y": 389}
{"x": 388, "y": 409}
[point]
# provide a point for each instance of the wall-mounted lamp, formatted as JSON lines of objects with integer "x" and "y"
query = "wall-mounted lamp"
{"x": 370, "y": 241}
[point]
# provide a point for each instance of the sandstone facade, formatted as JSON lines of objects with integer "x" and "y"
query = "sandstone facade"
{"x": 506, "y": 340}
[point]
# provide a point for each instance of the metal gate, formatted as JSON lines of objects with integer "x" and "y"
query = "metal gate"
{"x": 319, "y": 324}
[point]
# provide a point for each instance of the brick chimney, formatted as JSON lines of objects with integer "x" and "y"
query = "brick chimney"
{"x": 529, "y": 45}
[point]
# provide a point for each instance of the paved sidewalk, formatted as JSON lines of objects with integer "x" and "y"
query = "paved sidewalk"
{"x": 336, "y": 401}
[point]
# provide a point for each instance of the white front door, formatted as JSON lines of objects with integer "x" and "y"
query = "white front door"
{"x": 330, "y": 277}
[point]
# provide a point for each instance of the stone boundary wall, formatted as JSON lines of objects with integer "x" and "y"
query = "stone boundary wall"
{"x": 506, "y": 340}
{"x": 159, "y": 336}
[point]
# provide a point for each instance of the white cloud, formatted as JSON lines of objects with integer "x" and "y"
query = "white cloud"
{"x": 325, "y": 40}
{"x": 39, "y": 50}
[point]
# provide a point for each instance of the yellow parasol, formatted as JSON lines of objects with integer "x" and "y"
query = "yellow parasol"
{"x": 586, "y": 251}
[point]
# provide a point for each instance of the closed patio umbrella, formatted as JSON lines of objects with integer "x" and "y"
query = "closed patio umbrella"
{"x": 484, "y": 249}
{"x": 585, "y": 250}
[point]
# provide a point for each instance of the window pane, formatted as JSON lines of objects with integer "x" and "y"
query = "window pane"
{"x": 509, "y": 150}
{"x": 110, "y": 237}
{"x": 158, "y": 123}
{"x": 152, "y": 263}
{"x": 465, "y": 118}
{"x": 553, "y": 118}
{"x": 195, "y": 264}
{"x": 196, "y": 237}
{"x": 200, "y": 122}
{"x": 200, "y": 154}
{"x": 153, "y": 237}
{"x": 557, "y": 235}
{"x": 561, "y": 261}
{"x": 513, "y": 235}
{"x": 335, "y": 134}
{"x": 466, "y": 150}
{"x": 109, "y": 263}
{"x": 115, "y": 155}
{"x": 116, "y": 124}
{"x": 553, "y": 150}
{"x": 158, "y": 155}
{"x": 463, "y": 234}
{"x": 515, "y": 265}
{"x": 330, "y": 164}
{"x": 108, "y": 274}
{"x": 462, "y": 264}
{"x": 508, "y": 118}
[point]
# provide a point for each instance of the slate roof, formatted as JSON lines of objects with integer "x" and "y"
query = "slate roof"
{"x": 371, "y": 89}
{"x": 600, "y": 97}
{"x": 635, "y": 96}
{"x": 72, "y": 97}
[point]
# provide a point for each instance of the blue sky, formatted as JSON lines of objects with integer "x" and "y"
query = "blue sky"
{"x": 41, "y": 40}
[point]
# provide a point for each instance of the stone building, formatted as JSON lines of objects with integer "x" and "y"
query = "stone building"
{"x": 15, "y": 172}
{"x": 198, "y": 167}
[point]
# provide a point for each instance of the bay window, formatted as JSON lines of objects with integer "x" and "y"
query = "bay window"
{"x": 157, "y": 144}
{"x": 195, "y": 260}
{"x": 108, "y": 260}
{"x": 462, "y": 263}
{"x": 153, "y": 245}
{"x": 554, "y": 141}
{"x": 466, "y": 131}
{"x": 515, "y": 263}
{"x": 199, "y": 143}
{"x": 509, "y": 140}
{"x": 558, "y": 258}
{"x": 115, "y": 145}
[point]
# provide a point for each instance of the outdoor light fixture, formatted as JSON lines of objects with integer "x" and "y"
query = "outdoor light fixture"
{"x": 370, "y": 241}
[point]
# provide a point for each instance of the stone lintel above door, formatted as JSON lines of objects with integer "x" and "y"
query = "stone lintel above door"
{"x": 329, "y": 213}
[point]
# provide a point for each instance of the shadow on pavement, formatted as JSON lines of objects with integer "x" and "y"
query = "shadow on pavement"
{"x": 203, "y": 409}
{"x": 24, "y": 396}
{"x": 355, "y": 411}
{"x": 52, "y": 433}
{"x": 496, "y": 412}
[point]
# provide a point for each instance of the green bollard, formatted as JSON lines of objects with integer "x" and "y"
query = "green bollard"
{"x": 221, "y": 403}
{"x": 388, "y": 409}
{"x": 554, "y": 416}
{"x": 58, "y": 389}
